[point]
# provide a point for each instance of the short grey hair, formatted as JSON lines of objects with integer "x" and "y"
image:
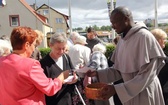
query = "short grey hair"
{"x": 99, "y": 47}
{"x": 58, "y": 37}
{"x": 4, "y": 46}
{"x": 74, "y": 35}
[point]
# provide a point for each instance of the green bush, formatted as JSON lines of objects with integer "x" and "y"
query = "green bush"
{"x": 109, "y": 49}
{"x": 44, "y": 51}
{"x": 166, "y": 49}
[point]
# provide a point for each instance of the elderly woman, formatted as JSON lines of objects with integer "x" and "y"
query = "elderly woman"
{"x": 161, "y": 37}
{"x": 54, "y": 63}
{"x": 36, "y": 53}
{"x": 98, "y": 61}
{"x": 22, "y": 81}
{"x": 5, "y": 47}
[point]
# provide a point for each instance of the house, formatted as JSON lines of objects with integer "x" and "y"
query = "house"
{"x": 103, "y": 35}
{"x": 57, "y": 20}
{"x": 18, "y": 13}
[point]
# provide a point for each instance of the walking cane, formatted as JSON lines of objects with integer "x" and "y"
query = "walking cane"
{"x": 77, "y": 90}
{"x": 80, "y": 96}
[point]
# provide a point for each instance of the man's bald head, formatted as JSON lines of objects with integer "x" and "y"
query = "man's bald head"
{"x": 124, "y": 11}
{"x": 121, "y": 19}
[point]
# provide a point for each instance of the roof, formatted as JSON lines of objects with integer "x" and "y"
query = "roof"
{"x": 65, "y": 16}
{"x": 103, "y": 33}
{"x": 42, "y": 19}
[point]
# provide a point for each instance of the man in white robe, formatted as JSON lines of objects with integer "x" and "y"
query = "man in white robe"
{"x": 138, "y": 58}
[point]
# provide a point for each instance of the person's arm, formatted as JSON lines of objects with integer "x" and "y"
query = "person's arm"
{"x": 140, "y": 82}
{"x": 107, "y": 75}
{"x": 47, "y": 85}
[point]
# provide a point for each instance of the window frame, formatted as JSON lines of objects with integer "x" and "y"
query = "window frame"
{"x": 59, "y": 20}
{"x": 44, "y": 12}
{"x": 59, "y": 30}
{"x": 11, "y": 21}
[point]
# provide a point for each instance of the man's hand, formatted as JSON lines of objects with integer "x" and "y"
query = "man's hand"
{"x": 91, "y": 73}
{"x": 107, "y": 92}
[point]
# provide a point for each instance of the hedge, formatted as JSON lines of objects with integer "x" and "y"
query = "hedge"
{"x": 166, "y": 49}
{"x": 109, "y": 49}
{"x": 44, "y": 51}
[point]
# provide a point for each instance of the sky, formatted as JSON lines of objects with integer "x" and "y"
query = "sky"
{"x": 86, "y": 13}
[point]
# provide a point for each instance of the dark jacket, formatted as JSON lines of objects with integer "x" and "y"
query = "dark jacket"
{"x": 52, "y": 70}
{"x": 163, "y": 77}
{"x": 92, "y": 42}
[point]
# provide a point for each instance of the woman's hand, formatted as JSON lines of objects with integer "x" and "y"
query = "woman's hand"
{"x": 63, "y": 75}
{"x": 73, "y": 80}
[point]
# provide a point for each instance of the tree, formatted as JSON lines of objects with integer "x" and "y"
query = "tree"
{"x": 96, "y": 28}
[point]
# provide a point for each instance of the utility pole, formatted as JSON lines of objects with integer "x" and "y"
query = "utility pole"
{"x": 36, "y": 15}
{"x": 156, "y": 17}
{"x": 113, "y": 4}
{"x": 70, "y": 18}
{"x": 49, "y": 15}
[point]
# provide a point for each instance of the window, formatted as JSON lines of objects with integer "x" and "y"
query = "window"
{"x": 59, "y": 20}
{"x": 59, "y": 30}
{"x": 45, "y": 12}
{"x": 47, "y": 21}
{"x": 14, "y": 20}
{"x": 38, "y": 12}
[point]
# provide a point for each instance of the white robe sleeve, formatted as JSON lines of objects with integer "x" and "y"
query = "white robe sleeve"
{"x": 108, "y": 75}
{"x": 129, "y": 89}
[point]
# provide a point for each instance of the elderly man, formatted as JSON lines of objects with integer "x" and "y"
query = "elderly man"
{"x": 72, "y": 38}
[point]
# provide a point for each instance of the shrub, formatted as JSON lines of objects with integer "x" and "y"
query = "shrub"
{"x": 166, "y": 49}
{"x": 109, "y": 49}
{"x": 44, "y": 51}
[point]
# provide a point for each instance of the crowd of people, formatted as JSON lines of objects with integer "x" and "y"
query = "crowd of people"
{"x": 136, "y": 71}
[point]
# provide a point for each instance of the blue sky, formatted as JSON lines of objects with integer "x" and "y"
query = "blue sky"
{"x": 95, "y": 12}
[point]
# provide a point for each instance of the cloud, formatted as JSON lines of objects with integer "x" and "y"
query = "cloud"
{"x": 95, "y": 12}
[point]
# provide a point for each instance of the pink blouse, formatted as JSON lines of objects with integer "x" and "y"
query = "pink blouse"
{"x": 22, "y": 82}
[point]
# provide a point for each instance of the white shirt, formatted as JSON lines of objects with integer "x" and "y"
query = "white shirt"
{"x": 59, "y": 62}
{"x": 80, "y": 55}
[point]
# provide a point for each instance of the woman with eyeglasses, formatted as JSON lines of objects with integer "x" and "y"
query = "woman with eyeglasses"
{"x": 161, "y": 37}
{"x": 22, "y": 80}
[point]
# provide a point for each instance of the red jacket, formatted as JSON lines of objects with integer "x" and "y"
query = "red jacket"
{"x": 22, "y": 81}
